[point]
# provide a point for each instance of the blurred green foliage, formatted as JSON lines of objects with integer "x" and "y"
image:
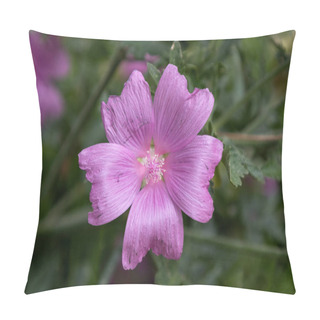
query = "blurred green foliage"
{"x": 244, "y": 244}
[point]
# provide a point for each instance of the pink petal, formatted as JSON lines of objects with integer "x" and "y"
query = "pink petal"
{"x": 154, "y": 222}
{"x": 179, "y": 115}
{"x": 128, "y": 119}
{"x": 116, "y": 178}
{"x": 187, "y": 176}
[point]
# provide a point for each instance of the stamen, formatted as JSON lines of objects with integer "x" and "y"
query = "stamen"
{"x": 153, "y": 164}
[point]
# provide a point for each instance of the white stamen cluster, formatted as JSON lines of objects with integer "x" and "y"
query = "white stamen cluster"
{"x": 153, "y": 163}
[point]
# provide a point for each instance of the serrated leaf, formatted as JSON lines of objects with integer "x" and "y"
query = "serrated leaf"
{"x": 272, "y": 168}
{"x": 255, "y": 172}
{"x": 176, "y": 54}
{"x": 237, "y": 169}
{"x": 238, "y": 165}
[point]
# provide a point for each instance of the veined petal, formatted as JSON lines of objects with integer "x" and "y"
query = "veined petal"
{"x": 187, "y": 176}
{"x": 179, "y": 115}
{"x": 116, "y": 178}
{"x": 155, "y": 223}
{"x": 128, "y": 119}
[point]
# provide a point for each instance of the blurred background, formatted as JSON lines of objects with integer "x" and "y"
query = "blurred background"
{"x": 244, "y": 244}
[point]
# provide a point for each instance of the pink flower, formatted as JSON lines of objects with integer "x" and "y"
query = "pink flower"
{"x": 154, "y": 162}
{"x": 131, "y": 64}
{"x": 51, "y": 62}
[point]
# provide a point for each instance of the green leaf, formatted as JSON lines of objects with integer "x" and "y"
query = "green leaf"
{"x": 190, "y": 83}
{"x": 176, "y": 57}
{"x": 255, "y": 171}
{"x": 272, "y": 168}
{"x": 238, "y": 78}
{"x": 154, "y": 73}
{"x": 235, "y": 166}
{"x": 238, "y": 165}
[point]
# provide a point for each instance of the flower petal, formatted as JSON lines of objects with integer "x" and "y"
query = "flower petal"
{"x": 116, "y": 178}
{"x": 187, "y": 176}
{"x": 179, "y": 115}
{"x": 128, "y": 119}
{"x": 154, "y": 222}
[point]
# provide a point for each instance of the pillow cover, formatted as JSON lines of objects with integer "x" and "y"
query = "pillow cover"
{"x": 161, "y": 162}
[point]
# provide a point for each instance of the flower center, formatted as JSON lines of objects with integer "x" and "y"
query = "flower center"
{"x": 153, "y": 164}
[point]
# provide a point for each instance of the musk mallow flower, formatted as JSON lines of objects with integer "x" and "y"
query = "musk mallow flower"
{"x": 154, "y": 162}
{"x": 51, "y": 63}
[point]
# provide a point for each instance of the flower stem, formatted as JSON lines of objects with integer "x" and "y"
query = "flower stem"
{"x": 230, "y": 112}
{"x": 80, "y": 121}
{"x": 236, "y": 244}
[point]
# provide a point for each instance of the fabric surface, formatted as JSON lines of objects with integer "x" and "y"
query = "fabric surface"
{"x": 161, "y": 162}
